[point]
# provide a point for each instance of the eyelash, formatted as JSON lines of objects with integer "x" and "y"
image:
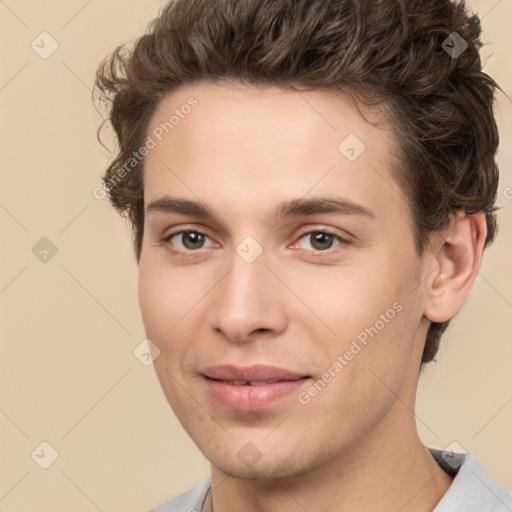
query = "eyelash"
{"x": 190, "y": 252}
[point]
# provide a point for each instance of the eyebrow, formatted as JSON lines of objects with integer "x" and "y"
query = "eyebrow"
{"x": 294, "y": 207}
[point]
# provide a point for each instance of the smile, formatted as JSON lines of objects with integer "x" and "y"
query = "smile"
{"x": 252, "y": 388}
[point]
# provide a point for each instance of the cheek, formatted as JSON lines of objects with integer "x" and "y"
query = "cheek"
{"x": 374, "y": 317}
{"x": 161, "y": 304}
{"x": 161, "y": 307}
{"x": 170, "y": 305}
{"x": 163, "y": 299}
{"x": 380, "y": 368}
{"x": 153, "y": 302}
{"x": 352, "y": 299}
{"x": 367, "y": 378}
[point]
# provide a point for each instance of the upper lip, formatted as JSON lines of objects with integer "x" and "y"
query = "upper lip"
{"x": 257, "y": 372}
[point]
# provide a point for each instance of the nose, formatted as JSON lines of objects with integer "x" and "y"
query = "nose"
{"x": 248, "y": 302}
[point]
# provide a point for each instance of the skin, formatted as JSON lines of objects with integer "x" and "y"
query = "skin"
{"x": 242, "y": 151}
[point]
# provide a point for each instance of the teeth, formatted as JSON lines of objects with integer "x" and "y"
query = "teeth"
{"x": 250, "y": 383}
{"x": 261, "y": 382}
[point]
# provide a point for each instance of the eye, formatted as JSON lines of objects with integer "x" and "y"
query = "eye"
{"x": 190, "y": 240}
{"x": 187, "y": 240}
{"x": 319, "y": 240}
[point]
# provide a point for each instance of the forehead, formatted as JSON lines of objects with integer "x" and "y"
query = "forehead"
{"x": 260, "y": 146}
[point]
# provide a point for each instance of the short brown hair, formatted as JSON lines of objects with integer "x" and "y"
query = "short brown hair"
{"x": 440, "y": 105}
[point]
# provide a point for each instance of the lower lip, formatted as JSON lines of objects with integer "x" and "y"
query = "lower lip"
{"x": 251, "y": 398}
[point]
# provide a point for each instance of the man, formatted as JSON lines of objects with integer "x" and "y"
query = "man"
{"x": 311, "y": 187}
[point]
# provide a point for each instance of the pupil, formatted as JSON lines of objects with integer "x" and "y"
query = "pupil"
{"x": 192, "y": 240}
{"x": 321, "y": 241}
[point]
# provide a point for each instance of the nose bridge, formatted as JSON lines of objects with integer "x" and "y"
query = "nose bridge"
{"x": 246, "y": 300}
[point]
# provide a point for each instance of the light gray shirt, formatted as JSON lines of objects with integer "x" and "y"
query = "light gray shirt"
{"x": 472, "y": 489}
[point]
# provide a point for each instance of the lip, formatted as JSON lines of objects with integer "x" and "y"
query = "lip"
{"x": 249, "y": 373}
{"x": 220, "y": 385}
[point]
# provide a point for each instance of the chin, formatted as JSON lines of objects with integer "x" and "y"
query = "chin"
{"x": 267, "y": 467}
{"x": 262, "y": 472}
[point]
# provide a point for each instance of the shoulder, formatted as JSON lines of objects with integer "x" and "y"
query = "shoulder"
{"x": 189, "y": 501}
{"x": 472, "y": 489}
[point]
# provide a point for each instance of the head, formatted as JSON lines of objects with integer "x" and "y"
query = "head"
{"x": 336, "y": 165}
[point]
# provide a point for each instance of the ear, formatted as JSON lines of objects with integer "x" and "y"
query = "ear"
{"x": 457, "y": 254}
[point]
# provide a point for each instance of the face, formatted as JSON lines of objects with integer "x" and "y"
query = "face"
{"x": 278, "y": 276}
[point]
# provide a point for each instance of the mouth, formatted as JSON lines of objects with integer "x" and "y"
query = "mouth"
{"x": 249, "y": 383}
{"x": 251, "y": 388}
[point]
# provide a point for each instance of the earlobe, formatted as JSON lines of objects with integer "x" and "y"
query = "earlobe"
{"x": 458, "y": 256}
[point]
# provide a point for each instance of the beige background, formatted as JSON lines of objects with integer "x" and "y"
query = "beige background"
{"x": 69, "y": 325}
